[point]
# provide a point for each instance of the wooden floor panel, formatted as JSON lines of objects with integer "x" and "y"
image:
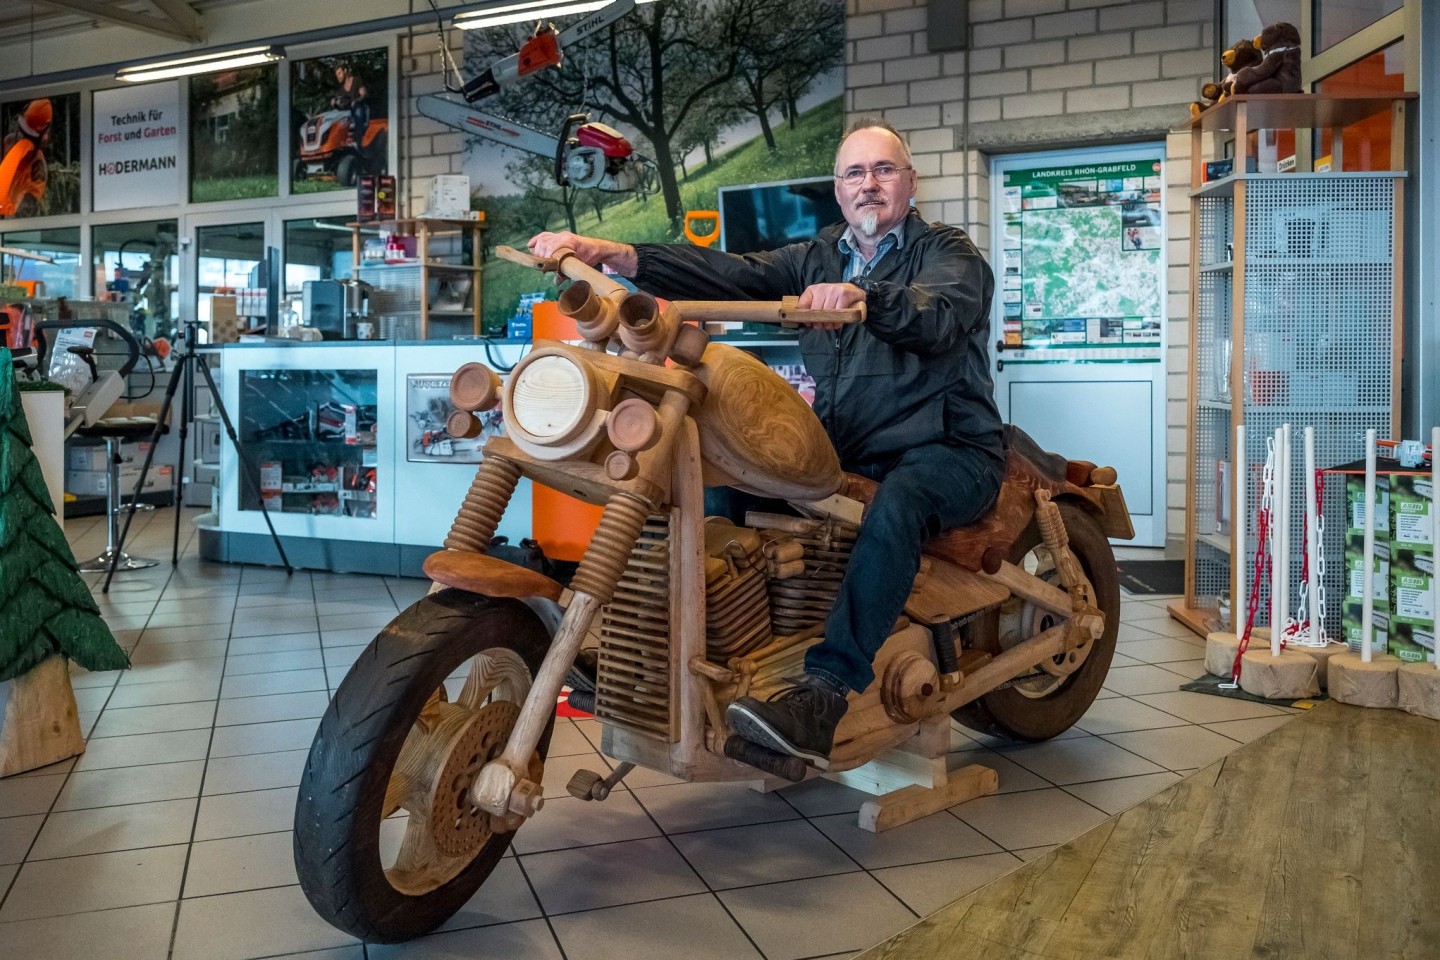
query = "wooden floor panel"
{"x": 1320, "y": 840}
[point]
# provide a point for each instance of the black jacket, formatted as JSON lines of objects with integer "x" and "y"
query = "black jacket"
{"x": 916, "y": 371}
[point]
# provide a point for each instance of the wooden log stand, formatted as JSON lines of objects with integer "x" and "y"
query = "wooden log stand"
{"x": 41, "y": 724}
{"x": 912, "y": 780}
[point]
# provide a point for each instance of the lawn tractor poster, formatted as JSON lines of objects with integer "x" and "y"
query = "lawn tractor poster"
{"x": 709, "y": 93}
{"x": 40, "y": 156}
{"x": 339, "y": 120}
{"x": 1082, "y": 254}
{"x": 234, "y": 134}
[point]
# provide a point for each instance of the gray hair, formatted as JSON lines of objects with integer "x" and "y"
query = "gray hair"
{"x": 866, "y": 123}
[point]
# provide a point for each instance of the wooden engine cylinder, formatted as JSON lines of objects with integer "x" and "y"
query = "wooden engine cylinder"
{"x": 758, "y": 434}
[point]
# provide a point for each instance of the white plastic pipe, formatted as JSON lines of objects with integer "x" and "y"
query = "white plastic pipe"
{"x": 1238, "y": 524}
{"x": 1282, "y": 556}
{"x": 1312, "y": 533}
{"x": 1367, "y": 577}
{"x": 1277, "y": 612}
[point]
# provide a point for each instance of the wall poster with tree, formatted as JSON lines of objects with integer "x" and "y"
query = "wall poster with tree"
{"x": 715, "y": 92}
{"x": 40, "y": 156}
{"x": 235, "y": 134}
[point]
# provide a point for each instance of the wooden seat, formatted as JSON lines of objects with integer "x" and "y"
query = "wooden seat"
{"x": 479, "y": 573}
{"x": 985, "y": 544}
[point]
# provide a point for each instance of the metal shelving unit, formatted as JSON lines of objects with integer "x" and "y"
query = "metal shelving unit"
{"x": 1296, "y": 303}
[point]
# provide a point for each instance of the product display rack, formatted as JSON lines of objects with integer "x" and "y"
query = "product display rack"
{"x": 408, "y": 281}
{"x": 1296, "y": 297}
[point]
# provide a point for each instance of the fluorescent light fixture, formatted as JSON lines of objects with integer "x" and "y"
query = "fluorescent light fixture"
{"x": 205, "y": 63}
{"x": 530, "y": 10}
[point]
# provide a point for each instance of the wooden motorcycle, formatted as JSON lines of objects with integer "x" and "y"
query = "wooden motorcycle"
{"x": 412, "y": 792}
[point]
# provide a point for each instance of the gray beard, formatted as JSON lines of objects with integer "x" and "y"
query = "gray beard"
{"x": 869, "y": 223}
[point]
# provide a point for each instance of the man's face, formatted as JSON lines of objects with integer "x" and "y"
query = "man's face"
{"x": 870, "y": 207}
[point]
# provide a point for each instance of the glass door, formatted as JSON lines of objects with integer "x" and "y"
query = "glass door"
{"x": 232, "y": 278}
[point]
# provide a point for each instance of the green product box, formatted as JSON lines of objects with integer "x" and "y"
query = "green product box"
{"x": 1355, "y": 505}
{"x": 1412, "y": 605}
{"x": 1351, "y": 619}
{"x": 1411, "y": 518}
{"x": 1355, "y": 570}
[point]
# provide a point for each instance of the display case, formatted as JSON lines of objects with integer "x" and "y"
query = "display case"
{"x": 1296, "y": 301}
{"x": 309, "y": 426}
{"x": 346, "y": 447}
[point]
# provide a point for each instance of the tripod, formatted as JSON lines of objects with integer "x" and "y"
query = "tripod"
{"x": 184, "y": 374}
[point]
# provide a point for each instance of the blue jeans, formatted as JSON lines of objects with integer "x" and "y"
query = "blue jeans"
{"x": 924, "y": 492}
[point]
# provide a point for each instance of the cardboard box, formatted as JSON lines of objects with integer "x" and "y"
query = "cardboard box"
{"x": 1351, "y": 608}
{"x": 1412, "y": 609}
{"x": 1411, "y": 520}
{"x": 1355, "y": 505}
{"x": 88, "y": 457}
{"x": 96, "y": 483}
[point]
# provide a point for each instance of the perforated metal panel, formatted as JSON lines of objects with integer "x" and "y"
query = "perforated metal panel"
{"x": 1317, "y": 338}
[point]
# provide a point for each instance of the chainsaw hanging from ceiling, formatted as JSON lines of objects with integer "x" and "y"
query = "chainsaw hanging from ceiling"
{"x": 587, "y": 154}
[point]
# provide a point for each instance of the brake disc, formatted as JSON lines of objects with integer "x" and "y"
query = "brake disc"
{"x": 457, "y": 826}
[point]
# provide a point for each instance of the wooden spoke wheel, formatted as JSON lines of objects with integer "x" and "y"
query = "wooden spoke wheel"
{"x": 1048, "y": 702}
{"x": 387, "y": 843}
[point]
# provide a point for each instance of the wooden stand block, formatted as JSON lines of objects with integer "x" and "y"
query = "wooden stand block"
{"x": 1419, "y": 689}
{"x": 1290, "y": 676}
{"x": 1362, "y": 684}
{"x": 1322, "y": 657}
{"x": 41, "y": 724}
{"x": 913, "y": 802}
{"x": 1220, "y": 650}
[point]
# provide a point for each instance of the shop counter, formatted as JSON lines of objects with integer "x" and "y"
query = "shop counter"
{"x": 346, "y": 445}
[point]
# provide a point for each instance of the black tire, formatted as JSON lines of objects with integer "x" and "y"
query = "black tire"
{"x": 339, "y": 810}
{"x": 346, "y": 170}
{"x": 299, "y": 172}
{"x": 1009, "y": 713}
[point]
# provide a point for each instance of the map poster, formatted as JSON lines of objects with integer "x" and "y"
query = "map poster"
{"x": 1082, "y": 258}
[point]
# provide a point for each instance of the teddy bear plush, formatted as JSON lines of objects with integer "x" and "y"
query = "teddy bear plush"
{"x": 1279, "y": 71}
{"x": 1240, "y": 55}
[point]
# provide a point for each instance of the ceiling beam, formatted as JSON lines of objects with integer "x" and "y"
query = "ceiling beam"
{"x": 183, "y": 16}
{"x": 110, "y": 13}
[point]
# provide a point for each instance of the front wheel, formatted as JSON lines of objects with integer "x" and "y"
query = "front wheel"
{"x": 1047, "y": 703}
{"x": 387, "y": 843}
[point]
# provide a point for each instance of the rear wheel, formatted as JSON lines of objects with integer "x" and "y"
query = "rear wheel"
{"x": 387, "y": 844}
{"x": 347, "y": 170}
{"x": 1048, "y": 703}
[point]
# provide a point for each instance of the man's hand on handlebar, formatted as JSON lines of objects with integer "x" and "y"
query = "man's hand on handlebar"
{"x": 830, "y": 296}
{"x": 619, "y": 257}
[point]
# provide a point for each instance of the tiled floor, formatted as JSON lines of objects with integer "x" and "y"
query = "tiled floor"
{"x": 170, "y": 836}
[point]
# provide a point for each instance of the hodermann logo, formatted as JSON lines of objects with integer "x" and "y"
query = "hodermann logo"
{"x": 140, "y": 165}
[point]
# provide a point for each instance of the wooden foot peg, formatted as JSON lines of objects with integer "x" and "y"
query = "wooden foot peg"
{"x": 911, "y": 803}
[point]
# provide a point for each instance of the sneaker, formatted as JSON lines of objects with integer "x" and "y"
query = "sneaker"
{"x": 799, "y": 720}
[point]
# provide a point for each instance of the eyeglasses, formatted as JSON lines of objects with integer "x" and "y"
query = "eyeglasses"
{"x": 884, "y": 173}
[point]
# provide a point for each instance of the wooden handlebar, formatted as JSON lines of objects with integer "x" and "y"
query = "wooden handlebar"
{"x": 783, "y": 311}
{"x": 566, "y": 264}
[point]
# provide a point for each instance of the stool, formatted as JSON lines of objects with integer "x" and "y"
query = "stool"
{"x": 113, "y": 434}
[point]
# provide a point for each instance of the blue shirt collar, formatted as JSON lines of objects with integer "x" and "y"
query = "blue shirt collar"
{"x": 894, "y": 239}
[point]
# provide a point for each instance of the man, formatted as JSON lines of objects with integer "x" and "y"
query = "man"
{"x": 26, "y": 185}
{"x": 354, "y": 97}
{"x": 906, "y": 397}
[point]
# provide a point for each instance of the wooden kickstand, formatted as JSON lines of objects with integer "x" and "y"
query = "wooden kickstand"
{"x": 911, "y": 781}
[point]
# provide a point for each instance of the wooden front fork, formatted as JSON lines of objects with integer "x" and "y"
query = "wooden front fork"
{"x": 503, "y": 786}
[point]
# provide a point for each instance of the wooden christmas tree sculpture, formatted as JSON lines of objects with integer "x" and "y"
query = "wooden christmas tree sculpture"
{"x": 46, "y": 612}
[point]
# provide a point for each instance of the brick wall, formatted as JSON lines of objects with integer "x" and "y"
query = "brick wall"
{"x": 1044, "y": 74}
{"x": 1040, "y": 74}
